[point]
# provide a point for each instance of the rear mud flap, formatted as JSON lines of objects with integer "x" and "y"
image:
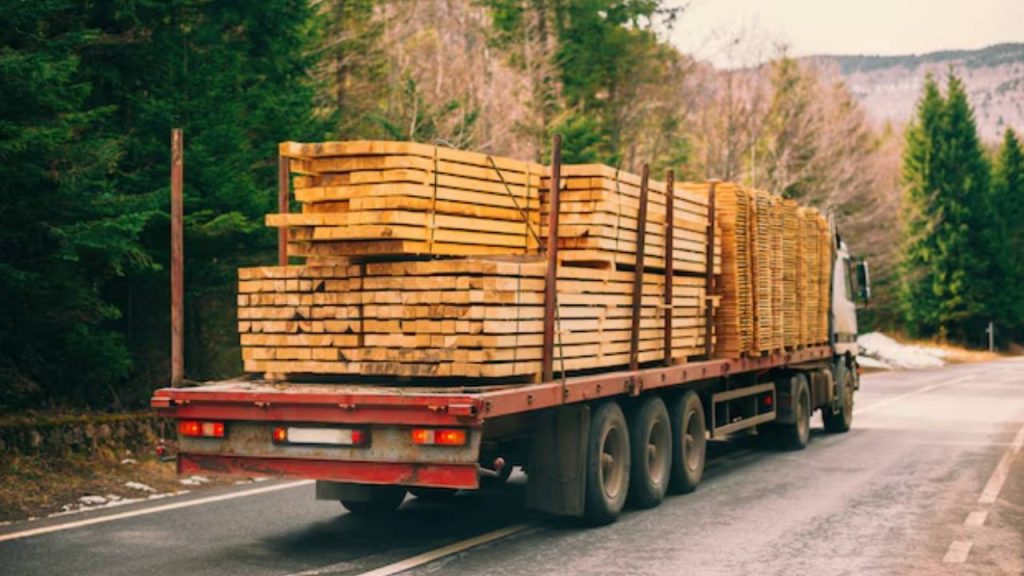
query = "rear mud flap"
{"x": 557, "y": 480}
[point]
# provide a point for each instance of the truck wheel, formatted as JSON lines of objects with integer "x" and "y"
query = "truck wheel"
{"x": 607, "y": 464}
{"x": 650, "y": 433}
{"x": 689, "y": 445}
{"x": 841, "y": 422}
{"x": 795, "y": 435}
{"x": 383, "y": 500}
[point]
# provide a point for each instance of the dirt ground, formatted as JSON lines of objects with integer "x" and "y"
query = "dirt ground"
{"x": 32, "y": 487}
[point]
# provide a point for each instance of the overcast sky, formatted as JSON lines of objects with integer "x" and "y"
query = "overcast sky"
{"x": 847, "y": 27}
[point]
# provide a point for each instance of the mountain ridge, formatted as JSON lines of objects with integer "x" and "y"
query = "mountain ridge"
{"x": 889, "y": 86}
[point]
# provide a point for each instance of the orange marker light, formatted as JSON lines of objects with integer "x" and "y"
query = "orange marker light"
{"x": 200, "y": 429}
{"x": 422, "y": 436}
{"x": 450, "y": 437}
{"x": 439, "y": 436}
{"x": 280, "y": 434}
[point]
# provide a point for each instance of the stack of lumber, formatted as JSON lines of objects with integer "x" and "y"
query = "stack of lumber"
{"x": 734, "y": 318}
{"x": 792, "y": 308}
{"x": 425, "y": 262}
{"x": 775, "y": 277}
{"x": 463, "y": 318}
{"x": 371, "y": 198}
{"x": 599, "y": 216}
{"x": 824, "y": 279}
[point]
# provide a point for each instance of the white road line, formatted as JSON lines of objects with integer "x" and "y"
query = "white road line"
{"x": 929, "y": 388}
{"x": 958, "y": 551}
{"x": 153, "y": 510}
{"x": 995, "y": 482}
{"x": 432, "y": 555}
{"x": 976, "y": 518}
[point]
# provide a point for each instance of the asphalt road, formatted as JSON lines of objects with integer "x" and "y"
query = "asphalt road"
{"x": 929, "y": 481}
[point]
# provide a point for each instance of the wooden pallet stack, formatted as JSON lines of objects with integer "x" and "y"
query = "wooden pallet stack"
{"x": 810, "y": 268}
{"x": 824, "y": 278}
{"x": 792, "y": 308}
{"x": 370, "y": 198}
{"x": 776, "y": 273}
{"x": 599, "y": 212}
{"x": 734, "y": 318}
{"x": 425, "y": 262}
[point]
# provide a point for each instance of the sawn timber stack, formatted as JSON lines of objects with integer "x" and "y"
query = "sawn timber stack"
{"x": 463, "y": 318}
{"x": 426, "y": 263}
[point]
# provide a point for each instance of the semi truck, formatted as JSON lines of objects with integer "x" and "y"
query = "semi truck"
{"x": 586, "y": 442}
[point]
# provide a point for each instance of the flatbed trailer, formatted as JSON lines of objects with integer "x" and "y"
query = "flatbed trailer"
{"x": 585, "y": 441}
{"x": 543, "y": 427}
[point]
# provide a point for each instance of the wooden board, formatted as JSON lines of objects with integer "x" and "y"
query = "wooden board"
{"x": 461, "y": 318}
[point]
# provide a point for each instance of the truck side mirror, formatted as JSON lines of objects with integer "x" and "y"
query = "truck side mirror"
{"x": 863, "y": 282}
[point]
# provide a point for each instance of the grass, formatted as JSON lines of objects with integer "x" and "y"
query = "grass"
{"x": 31, "y": 486}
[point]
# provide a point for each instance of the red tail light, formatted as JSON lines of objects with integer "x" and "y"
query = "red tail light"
{"x": 439, "y": 436}
{"x": 201, "y": 429}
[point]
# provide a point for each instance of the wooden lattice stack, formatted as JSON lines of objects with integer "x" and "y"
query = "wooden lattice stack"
{"x": 734, "y": 318}
{"x": 791, "y": 244}
{"x": 824, "y": 279}
{"x": 776, "y": 273}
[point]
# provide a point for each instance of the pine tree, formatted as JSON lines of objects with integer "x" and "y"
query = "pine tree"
{"x": 65, "y": 231}
{"x": 920, "y": 292}
{"x": 1008, "y": 206}
{"x": 949, "y": 258}
{"x": 967, "y": 261}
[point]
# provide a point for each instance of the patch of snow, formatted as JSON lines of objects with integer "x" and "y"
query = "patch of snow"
{"x": 243, "y": 482}
{"x": 900, "y": 356}
{"x": 261, "y": 479}
{"x": 128, "y": 461}
{"x": 5, "y": 523}
{"x": 194, "y": 480}
{"x": 90, "y": 503}
{"x": 139, "y": 486}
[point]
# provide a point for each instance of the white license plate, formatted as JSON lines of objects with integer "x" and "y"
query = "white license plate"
{"x": 332, "y": 436}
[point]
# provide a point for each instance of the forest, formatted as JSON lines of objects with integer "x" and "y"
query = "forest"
{"x": 90, "y": 90}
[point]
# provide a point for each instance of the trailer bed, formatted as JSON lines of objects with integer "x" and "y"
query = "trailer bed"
{"x": 437, "y": 405}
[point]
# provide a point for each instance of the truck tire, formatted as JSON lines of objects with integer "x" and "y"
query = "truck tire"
{"x": 383, "y": 500}
{"x": 650, "y": 433}
{"x": 689, "y": 444}
{"x": 843, "y": 420}
{"x": 795, "y": 435}
{"x": 608, "y": 464}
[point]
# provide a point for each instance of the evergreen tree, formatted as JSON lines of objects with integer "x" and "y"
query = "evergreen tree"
{"x": 66, "y": 232}
{"x": 920, "y": 291}
{"x": 948, "y": 258}
{"x": 1008, "y": 206}
{"x": 967, "y": 261}
{"x": 237, "y": 79}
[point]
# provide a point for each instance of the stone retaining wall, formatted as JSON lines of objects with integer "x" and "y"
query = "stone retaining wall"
{"x": 99, "y": 434}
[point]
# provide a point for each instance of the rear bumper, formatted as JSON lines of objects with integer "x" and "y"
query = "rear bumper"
{"x": 407, "y": 474}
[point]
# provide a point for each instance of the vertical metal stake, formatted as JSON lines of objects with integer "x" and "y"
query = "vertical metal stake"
{"x": 638, "y": 274}
{"x": 283, "y": 192}
{"x": 670, "y": 229}
{"x": 709, "y": 278}
{"x": 551, "y": 275}
{"x": 177, "y": 260}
